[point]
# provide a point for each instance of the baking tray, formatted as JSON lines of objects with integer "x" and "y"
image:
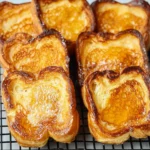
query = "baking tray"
{"x": 83, "y": 141}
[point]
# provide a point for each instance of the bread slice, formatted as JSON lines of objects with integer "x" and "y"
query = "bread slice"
{"x": 118, "y": 105}
{"x": 40, "y": 107}
{"x": 103, "y": 51}
{"x": 70, "y": 18}
{"x": 25, "y": 53}
{"x": 15, "y": 18}
{"x": 113, "y": 17}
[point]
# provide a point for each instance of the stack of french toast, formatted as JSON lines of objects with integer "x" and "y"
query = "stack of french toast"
{"x": 110, "y": 41}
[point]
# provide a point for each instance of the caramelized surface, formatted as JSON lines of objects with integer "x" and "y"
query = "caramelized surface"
{"x": 115, "y": 53}
{"x": 132, "y": 15}
{"x": 124, "y": 100}
{"x": 70, "y": 18}
{"x": 118, "y": 107}
{"x": 36, "y": 55}
{"x": 40, "y": 108}
{"x": 126, "y": 17}
{"x": 41, "y": 100}
{"x": 15, "y": 18}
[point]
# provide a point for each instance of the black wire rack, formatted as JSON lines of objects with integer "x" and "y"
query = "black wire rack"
{"x": 83, "y": 141}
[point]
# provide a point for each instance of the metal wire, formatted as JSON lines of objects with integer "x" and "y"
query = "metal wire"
{"x": 83, "y": 141}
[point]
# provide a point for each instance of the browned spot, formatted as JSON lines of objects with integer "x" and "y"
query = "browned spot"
{"x": 114, "y": 58}
{"x": 126, "y": 21}
{"x": 25, "y": 129}
{"x": 15, "y": 19}
{"x": 125, "y": 104}
{"x": 71, "y": 25}
{"x": 29, "y": 57}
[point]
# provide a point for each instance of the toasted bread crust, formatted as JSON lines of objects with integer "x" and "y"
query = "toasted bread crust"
{"x": 142, "y": 5}
{"x": 106, "y": 38}
{"x": 15, "y": 18}
{"x": 21, "y": 47}
{"x": 103, "y": 130}
{"x": 36, "y": 134}
{"x": 63, "y": 26}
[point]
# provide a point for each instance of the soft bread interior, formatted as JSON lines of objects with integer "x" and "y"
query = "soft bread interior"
{"x": 36, "y": 55}
{"x": 120, "y": 103}
{"x": 115, "y": 54}
{"x": 126, "y": 17}
{"x": 70, "y": 18}
{"x": 15, "y": 18}
{"x": 40, "y": 107}
{"x": 45, "y": 99}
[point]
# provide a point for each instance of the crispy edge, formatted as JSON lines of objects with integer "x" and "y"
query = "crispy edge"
{"x": 69, "y": 133}
{"x": 39, "y": 23}
{"x": 25, "y": 38}
{"x": 104, "y": 37}
{"x": 137, "y": 3}
{"x": 120, "y": 136}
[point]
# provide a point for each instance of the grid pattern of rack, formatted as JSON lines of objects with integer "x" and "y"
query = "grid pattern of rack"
{"x": 83, "y": 141}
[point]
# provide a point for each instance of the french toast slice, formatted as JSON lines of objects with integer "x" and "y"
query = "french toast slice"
{"x": 118, "y": 105}
{"x": 103, "y": 51}
{"x": 24, "y": 53}
{"x": 40, "y": 107}
{"x": 15, "y": 18}
{"x": 69, "y": 17}
{"x": 113, "y": 17}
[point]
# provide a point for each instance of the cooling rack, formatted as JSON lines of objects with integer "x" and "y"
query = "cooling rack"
{"x": 83, "y": 141}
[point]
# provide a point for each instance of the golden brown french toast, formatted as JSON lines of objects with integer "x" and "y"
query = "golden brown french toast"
{"x": 118, "y": 105}
{"x": 103, "y": 51}
{"x": 69, "y": 17}
{"x": 24, "y": 53}
{"x": 15, "y": 18}
{"x": 113, "y": 17}
{"x": 40, "y": 107}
